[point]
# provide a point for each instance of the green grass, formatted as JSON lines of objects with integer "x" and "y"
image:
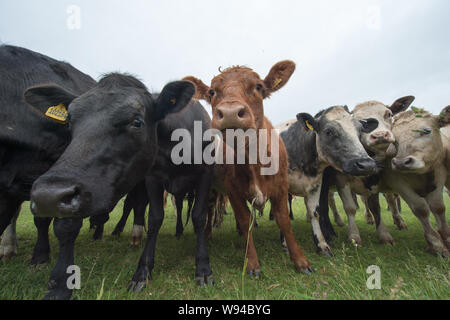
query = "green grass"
{"x": 407, "y": 270}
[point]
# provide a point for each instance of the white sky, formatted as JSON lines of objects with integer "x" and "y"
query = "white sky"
{"x": 346, "y": 51}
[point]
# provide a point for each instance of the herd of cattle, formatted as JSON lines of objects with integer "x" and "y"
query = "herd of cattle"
{"x": 74, "y": 147}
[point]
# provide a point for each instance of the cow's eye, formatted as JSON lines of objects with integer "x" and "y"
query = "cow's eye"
{"x": 329, "y": 132}
{"x": 212, "y": 93}
{"x": 259, "y": 87}
{"x": 368, "y": 125}
{"x": 137, "y": 123}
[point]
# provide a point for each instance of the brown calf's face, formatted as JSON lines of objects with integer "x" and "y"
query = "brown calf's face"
{"x": 418, "y": 140}
{"x": 378, "y": 140}
{"x": 236, "y": 95}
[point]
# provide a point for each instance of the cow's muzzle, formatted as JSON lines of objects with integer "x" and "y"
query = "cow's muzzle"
{"x": 54, "y": 200}
{"x": 361, "y": 167}
{"x": 231, "y": 117}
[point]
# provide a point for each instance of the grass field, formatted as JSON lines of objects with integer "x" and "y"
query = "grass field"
{"x": 407, "y": 270}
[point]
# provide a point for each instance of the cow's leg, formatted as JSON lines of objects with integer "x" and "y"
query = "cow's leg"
{"x": 211, "y": 216}
{"x": 143, "y": 273}
{"x": 8, "y": 207}
{"x": 393, "y": 205}
{"x": 350, "y": 209}
{"x": 332, "y": 204}
{"x": 374, "y": 206}
{"x": 137, "y": 232}
{"x": 245, "y": 223}
{"x": 290, "y": 200}
{"x": 174, "y": 205}
{"x": 179, "y": 209}
{"x": 421, "y": 210}
{"x": 66, "y": 230}
{"x": 367, "y": 214}
{"x": 41, "y": 252}
{"x": 436, "y": 202}
{"x": 9, "y": 245}
{"x": 308, "y": 213}
{"x": 203, "y": 273}
{"x": 281, "y": 215}
{"x": 312, "y": 207}
{"x": 99, "y": 222}
{"x": 127, "y": 207}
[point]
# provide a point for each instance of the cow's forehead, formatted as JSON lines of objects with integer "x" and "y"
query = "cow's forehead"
{"x": 237, "y": 73}
{"x": 337, "y": 114}
{"x": 370, "y": 109}
{"x": 409, "y": 119}
{"x": 111, "y": 101}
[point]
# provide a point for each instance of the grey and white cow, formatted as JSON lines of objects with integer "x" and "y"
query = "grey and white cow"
{"x": 331, "y": 138}
{"x": 379, "y": 144}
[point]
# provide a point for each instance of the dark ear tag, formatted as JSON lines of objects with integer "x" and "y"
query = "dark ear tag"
{"x": 309, "y": 126}
{"x": 58, "y": 113}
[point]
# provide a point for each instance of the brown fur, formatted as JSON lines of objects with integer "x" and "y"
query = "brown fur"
{"x": 241, "y": 85}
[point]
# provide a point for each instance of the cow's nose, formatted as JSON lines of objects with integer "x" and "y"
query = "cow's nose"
{"x": 403, "y": 163}
{"x": 232, "y": 117}
{"x": 381, "y": 137}
{"x": 362, "y": 167}
{"x": 52, "y": 201}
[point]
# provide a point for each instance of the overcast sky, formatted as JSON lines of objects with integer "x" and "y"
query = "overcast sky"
{"x": 346, "y": 51}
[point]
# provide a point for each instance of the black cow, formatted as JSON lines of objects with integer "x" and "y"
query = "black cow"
{"x": 114, "y": 145}
{"x": 179, "y": 180}
{"x": 331, "y": 138}
{"x": 30, "y": 143}
{"x": 116, "y": 133}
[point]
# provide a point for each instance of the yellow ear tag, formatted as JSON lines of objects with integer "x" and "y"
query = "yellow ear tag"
{"x": 310, "y": 127}
{"x": 58, "y": 113}
{"x": 276, "y": 83}
{"x": 173, "y": 101}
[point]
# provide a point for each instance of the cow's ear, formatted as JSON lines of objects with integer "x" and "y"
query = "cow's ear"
{"x": 308, "y": 122}
{"x": 278, "y": 76}
{"x": 444, "y": 117}
{"x": 401, "y": 104}
{"x": 173, "y": 98}
{"x": 42, "y": 97}
{"x": 201, "y": 89}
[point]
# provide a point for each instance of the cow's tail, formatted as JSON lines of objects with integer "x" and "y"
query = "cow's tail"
{"x": 324, "y": 217}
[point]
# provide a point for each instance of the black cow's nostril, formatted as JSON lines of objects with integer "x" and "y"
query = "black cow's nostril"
{"x": 219, "y": 114}
{"x": 241, "y": 113}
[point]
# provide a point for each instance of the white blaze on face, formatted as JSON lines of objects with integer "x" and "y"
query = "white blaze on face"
{"x": 378, "y": 140}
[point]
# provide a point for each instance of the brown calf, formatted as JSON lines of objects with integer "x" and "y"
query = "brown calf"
{"x": 236, "y": 96}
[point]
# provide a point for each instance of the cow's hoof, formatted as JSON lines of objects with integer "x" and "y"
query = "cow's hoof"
{"x": 386, "y": 238}
{"x": 57, "y": 292}
{"x": 137, "y": 286}
{"x": 8, "y": 251}
{"x": 255, "y": 274}
{"x": 136, "y": 235}
{"x": 401, "y": 225}
{"x": 355, "y": 239}
{"x": 340, "y": 223}
{"x": 178, "y": 235}
{"x": 325, "y": 250}
{"x": 308, "y": 270}
{"x": 38, "y": 261}
{"x": 369, "y": 220}
{"x": 204, "y": 281}
{"x": 116, "y": 233}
